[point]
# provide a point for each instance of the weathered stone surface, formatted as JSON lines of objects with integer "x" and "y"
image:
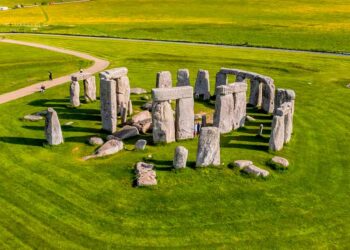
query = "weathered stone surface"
{"x": 143, "y": 126}
{"x": 53, "y": 130}
{"x": 204, "y": 121}
{"x": 112, "y": 146}
{"x": 184, "y": 118}
{"x": 32, "y": 118}
{"x": 164, "y": 80}
{"x": 288, "y": 126}
{"x": 113, "y": 73}
{"x": 242, "y": 163}
{"x": 254, "y": 170}
{"x": 123, "y": 92}
{"x": 147, "y": 106}
{"x": 74, "y": 94}
{"x": 165, "y": 94}
{"x": 123, "y": 114}
{"x": 130, "y": 108}
{"x": 250, "y": 119}
{"x": 280, "y": 161}
{"x": 208, "y": 152}
{"x": 138, "y": 91}
{"x": 277, "y": 133}
{"x": 261, "y": 129}
{"x": 223, "y": 115}
{"x": 238, "y": 87}
{"x": 268, "y": 97}
{"x": 348, "y": 86}
{"x": 127, "y": 132}
{"x": 163, "y": 122}
{"x": 180, "y": 158}
{"x": 239, "y": 110}
{"x": 142, "y": 116}
{"x": 284, "y": 95}
{"x": 81, "y": 76}
{"x": 108, "y": 105}
{"x": 90, "y": 89}
{"x": 202, "y": 86}
{"x": 140, "y": 144}
{"x": 183, "y": 77}
{"x": 255, "y": 98}
{"x": 95, "y": 140}
{"x": 145, "y": 175}
{"x": 221, "y": 79}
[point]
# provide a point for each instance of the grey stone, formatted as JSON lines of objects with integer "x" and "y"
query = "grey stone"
{"x": 53, "y": 130}
{"x": 280, "y": 161}
{"x": 164, "y": 80}
{"x": 277, "y": 133}
{"x": 108, "y": 105}
{"x": 268, "y": 97}
{"x": 184, "y": 118}
{"x": 74, "y": 94}
{"x": 32, "y": 118}
{"x": 95, "y": 140}
{"x": 108, "y": 148}
{"x": 127, "y": 132}
{"x": 242, "y": 163}
{"x": 255, "y": 98}
{"x": 123, "y": 92}
{"x": 254, "y": 170}
{"x": 284, "y": 95}
{"x": 221, "y": 79}
{"x": 147, "y": 106}
{"x": 261, "y": 128}
{"x": 239, "y": 110}
{"x": 180, "y": 158}
{"x": 250, "y": 119}
{"x": 90, "y": 89}
{"x": 183, "y": 77}
{"x": 204, "y": 121}
{"x": 81, "y": 76}
{"x": 208, "y": 152}
{"x": 145, "y": 175}
{"x": 140, "y": 144}
{"x": 130, "y": 108}
{"x": 165, "y": 94}
{"x": 138, "y": 91}
{"x": 163, "y": 122}
{"x": 202, "y": 86}
{"x": 114, "y": 73}
{"x": 223, "y": 115}
{"x": 141, "y": 116}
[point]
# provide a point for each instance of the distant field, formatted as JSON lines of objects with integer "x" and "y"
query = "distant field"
{"x": 50, "y": 198}
{"x": 321, "y": 25}
{"x": 21, "y": 66}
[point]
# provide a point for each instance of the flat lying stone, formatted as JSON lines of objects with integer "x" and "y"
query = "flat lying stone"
{"x": 140, "y": 144}
{"x": 110, "y": 147}
{"x": 254, "y": 170}
{"x": 95, "y": 140}
{"x": 138, "y": 91}
{"x": 280, "y": 161}
{"x": 142, "y": 116}
{"x": 242, "y": 163}
{"x": 147, "y": 106}
{"x": 145, "y": 175}
{"x": 250, "y": 119}
{"x": 32, "y": 118}
{"x": 127, "y": 132}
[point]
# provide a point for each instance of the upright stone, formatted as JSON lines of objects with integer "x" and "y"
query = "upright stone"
{"x": 284, "y": 95}
{"x": 108, "y": 105}
{"x": 180, "y": 158}
{"x": 130, "y": 109}
{"x": 163, "y": 122}
{"x": 240, "y": 104}
{"x": 221, "y": 79}
{"x": 123, "y": 92}
{"x": 184, "y": 118}
{"x": 204, "y": 121}
{"x": 224, "y": 107}
{"x": 53, "y": 130}
{"x": 202, "y": 86}
{"x": 90, "y": 89}
{"x": 277, "y": 134}
{"x": 208, "y": 152}
{"x": 288, "y": 121}
{"x": 183, "y": 77}
{"x": 74, "y": 94}
{"x": 255, "y": 98}
{"x": 268, "y": 96}
{"x": 164, "y": 80}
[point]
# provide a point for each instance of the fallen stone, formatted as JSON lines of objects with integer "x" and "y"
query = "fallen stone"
{"x": 242, "y": 163}
{"x": 142, "y": 116}
{"x": 147, "y": 106}
{"x": 145, "y": 175}
{"x": 138, "y": 91}
{"x": 95, "y": 140}
{"x": 280, "y": 161}
{"x": 250, "y": 119}
{"x": 32, "y": 118}
{"x": 68, "y": 123}
{"x": 74, "y": 90}
{"x": 140, "y": 144}
{"x": 254, "y": 170}
{"x": 180, "y": 158}
{"x": 110, "y": 147}
{"x": 127, "y": 132}
{"x": 165, "y": 94}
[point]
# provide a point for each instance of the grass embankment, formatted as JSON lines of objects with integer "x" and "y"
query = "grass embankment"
{"x": 310, "y": 25}
{"x": 50, "y": 198}
{"x": 22, "y": 66}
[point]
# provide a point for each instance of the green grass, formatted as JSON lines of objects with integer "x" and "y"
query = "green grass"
{"x": 22, "y": 66}
{"x": 50, "y": 198}
{"x": 295, "y": 24}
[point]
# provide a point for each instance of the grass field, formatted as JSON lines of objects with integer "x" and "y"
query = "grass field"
{"x": 21, "y": 66}
{"x": 321, "y": 25}
{"x": 50, "y": 198}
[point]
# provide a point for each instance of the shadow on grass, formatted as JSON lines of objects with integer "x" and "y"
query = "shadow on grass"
{"x": 50, "y": 103}
{"x": 23, "y": 141}
{"x": 69, "y": 129}
{"x": 240, "y": 141}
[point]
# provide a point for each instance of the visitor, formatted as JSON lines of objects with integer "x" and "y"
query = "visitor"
{"x": 42, "y": 89}
{"x": 50, "y": 75}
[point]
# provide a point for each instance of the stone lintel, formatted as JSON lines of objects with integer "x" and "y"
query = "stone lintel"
{"x": 114, "y": 73}
{"x": 165, "y": 94}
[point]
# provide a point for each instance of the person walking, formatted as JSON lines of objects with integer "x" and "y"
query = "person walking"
{"x": 42, "y": 89}
{"x": 50, "y": 75}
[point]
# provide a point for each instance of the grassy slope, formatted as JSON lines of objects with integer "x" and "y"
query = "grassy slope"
{"x": 298, "y": 24}
{"x": 49, "y": 198}
{"x": 21, "y": 66}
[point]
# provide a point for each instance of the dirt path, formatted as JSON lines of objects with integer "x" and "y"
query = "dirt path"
{"x": 99, "y": 65}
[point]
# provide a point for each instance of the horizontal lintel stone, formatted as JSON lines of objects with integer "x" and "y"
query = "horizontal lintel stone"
{"x": 165, "y": 94}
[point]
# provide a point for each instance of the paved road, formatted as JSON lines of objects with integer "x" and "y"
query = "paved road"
{"x": 99, "y": 65}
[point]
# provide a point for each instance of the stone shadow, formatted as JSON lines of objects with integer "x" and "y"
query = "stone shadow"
{"x": 69, "y": 129}
{"x": 23, "y": 141}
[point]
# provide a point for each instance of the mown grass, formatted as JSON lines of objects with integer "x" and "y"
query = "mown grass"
{"x": 50, "y": 198}
{"x": 22, "y": 66}
{"x": 295, "y": 24}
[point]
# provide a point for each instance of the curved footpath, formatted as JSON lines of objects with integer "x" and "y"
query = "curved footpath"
{"x": 99, "y": 65}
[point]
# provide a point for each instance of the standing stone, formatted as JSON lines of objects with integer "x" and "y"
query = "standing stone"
{"x": 221, "y": 79}
{"x": 183, "y": 77}
{"x": 224, "y": 107}
{"x": 164, "y": 80}
{"x": 123, "y": 114}
{"x": 180, "y": 158}
{"x": 53, "y": 130}
{"x": 163, "y": 122}
{"x": 240, "y": 104}
{"x": 277, "y": 134}
{"x": 184, "y": 118}
{"x": 90, "y": 89}
{"x": 208, "y": 152}
{"x": 240, "y": 78}
{"x": 288, "y": 123}
{"x": 202, "y": 86}
{"x": 268, "y": 96}
{"x": 108, "y": 105}
{"x": 140, "y": 144}
{"x": 261, "y": 128}
{"x": 284, "y": 95}
{"x": 130, "y": 110}
{"x": 123, "y": 92}
{"x": 255, "y": 98}
{"x": 74, "y": 94}
{"x": 204, "y": 121}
